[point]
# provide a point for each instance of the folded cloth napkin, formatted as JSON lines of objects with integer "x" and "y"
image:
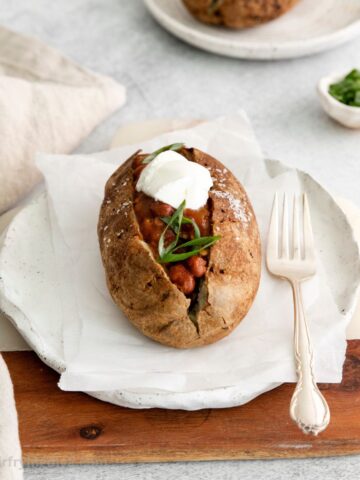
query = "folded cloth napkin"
{"x": 10, "y": 452}
{"x": 48, "y": 103}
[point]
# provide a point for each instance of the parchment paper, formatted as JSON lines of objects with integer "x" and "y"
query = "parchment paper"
{"x": 103, "y": 351}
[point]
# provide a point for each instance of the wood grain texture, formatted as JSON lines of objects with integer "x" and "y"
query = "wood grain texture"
{"x": 67, "y": 427}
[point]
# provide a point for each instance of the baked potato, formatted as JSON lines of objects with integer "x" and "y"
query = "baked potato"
{"x": 237, "y": 13}
{"x": 192, "y": 302}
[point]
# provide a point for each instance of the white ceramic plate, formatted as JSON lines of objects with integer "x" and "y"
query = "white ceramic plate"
{"x": 27, "y": 245}
{"x": 310, "y": 27}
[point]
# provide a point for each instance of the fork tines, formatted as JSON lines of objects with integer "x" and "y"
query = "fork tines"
{"x": 294, "y": 243}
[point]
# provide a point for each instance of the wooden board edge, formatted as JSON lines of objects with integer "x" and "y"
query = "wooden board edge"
{"x": 33, "y": 456}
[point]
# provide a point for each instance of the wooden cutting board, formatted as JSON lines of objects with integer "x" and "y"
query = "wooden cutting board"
{"x": 68, "y": 427}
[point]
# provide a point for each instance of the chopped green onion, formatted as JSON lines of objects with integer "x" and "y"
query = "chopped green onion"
{"x": 167, "y": 254}
{"x": 174, "y": 147}
{"x": 202, "y": 241}
{"x": 176, "y": 217}
{"x": 194, "y": 224}
{"x": 347, "y": 91}
{"x": 177, "y": 257}
{"x": 185, "y": 220}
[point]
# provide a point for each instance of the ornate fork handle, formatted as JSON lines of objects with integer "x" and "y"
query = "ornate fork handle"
{"x": 308, "y": 407}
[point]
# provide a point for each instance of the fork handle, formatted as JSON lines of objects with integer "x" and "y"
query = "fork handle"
{"x": 308, "y": 407}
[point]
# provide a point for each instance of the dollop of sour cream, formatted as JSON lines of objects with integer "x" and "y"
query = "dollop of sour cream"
{"x": 171, "y": 178}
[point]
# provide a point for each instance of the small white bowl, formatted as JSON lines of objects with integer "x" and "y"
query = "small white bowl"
{"x": 344, "y": 114}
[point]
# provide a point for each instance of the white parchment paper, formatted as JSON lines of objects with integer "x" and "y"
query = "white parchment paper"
{"x": 103, "y": 351}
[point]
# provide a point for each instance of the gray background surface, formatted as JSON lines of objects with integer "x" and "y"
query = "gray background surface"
{"x": 166, "y": 78}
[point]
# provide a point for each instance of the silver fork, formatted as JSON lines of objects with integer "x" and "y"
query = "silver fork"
{"x": 308, "y": 407}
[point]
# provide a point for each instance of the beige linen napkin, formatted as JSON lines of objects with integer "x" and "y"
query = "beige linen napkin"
{"x": 48, "y": 103}
{"x": 10, "y": 452}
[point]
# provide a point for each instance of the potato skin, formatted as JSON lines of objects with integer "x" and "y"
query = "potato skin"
{"x": 140, "y": 286}
{"x": 238, "y": 13}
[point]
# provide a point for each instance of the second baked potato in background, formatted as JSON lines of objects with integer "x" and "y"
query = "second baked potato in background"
{"x": 238, "y": 13}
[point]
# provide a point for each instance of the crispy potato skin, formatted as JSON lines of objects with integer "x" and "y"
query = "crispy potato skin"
{"x": 238, "y": 13}
{"x": 141, "y": 287}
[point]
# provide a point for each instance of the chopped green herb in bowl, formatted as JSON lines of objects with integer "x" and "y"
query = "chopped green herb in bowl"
{"x": 347, "y": 90}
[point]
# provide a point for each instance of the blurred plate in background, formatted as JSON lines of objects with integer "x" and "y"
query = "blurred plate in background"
{"x": 310, "y": 27}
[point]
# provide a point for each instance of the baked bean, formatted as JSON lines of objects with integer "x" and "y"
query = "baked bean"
{"x": 138, "y": 161}
{"x": 161, "y": 209}
{"x": 159, "y": 224}
{"x": 151, "y": 228}
{"x": 138, "y": 171}
{"x": 142, "y": 206}
{"x": 182, "y": 278}
{"x": 139, "y": 209}
{"x": 187, "y": 231}
{"x": 197, "y": 266}
{"x": 146, "y": 228}
{"x": 169, "y": 236}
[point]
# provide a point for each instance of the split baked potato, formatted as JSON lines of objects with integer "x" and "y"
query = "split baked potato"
{"x": 161, "y": 299}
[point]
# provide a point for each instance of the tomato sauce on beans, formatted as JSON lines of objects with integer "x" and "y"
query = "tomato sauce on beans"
{"x": 149, "y": 212}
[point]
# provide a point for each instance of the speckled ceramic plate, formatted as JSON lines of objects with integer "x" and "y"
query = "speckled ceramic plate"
{"x": 310, "y": 27}
{"x": 27, "y": 247}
